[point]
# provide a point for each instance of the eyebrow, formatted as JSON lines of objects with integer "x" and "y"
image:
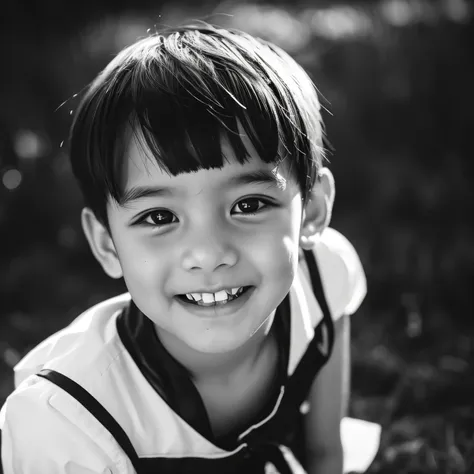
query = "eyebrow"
{"x": 250, "y": 177}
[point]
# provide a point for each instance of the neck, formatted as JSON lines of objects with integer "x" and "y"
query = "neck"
{"x": 222, "y": 366}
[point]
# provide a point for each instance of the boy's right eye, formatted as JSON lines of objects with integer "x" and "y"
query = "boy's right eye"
{"x": 158, "y": 218}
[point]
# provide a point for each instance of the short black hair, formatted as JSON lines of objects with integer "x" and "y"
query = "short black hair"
{"x": 182, "y": 91}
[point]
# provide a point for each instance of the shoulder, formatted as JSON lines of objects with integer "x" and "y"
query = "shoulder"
{"x": 64, "y": 432}
{"x": 89, "y": 352}
{"x": 341, "y": 272}
{"x": 91, "y": 340}
{"x": 43, "y": 430}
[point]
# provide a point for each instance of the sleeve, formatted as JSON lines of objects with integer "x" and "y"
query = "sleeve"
{"x": 38, "y": 438}
{"x": 342, "y": 273}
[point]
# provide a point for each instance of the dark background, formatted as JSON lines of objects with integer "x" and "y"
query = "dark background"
{"x": 398, "y": 79}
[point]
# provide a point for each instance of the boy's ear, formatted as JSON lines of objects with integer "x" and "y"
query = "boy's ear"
{"x": 101, "y": 244}
{"x": 318, "y": 209}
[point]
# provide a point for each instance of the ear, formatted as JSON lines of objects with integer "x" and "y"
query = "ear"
{"x": 318, "y": 209}
{"x": 101, "y": 244}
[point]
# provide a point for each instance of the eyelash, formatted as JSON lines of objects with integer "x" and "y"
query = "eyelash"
{"x": 266, "y": 204}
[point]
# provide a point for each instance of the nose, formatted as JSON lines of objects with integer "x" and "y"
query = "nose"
{"x": 209, "y": 249}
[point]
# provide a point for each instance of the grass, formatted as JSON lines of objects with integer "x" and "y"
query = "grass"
{"x": 420, "y": 388}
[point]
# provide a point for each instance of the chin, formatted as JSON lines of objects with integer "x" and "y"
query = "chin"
{"x": 217, "y": 344}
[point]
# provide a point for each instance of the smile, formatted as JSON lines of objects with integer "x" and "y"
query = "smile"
{"x": 214, "y": 299}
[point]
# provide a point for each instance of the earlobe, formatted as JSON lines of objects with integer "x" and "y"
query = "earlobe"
{"x": 318, "y": 210}
{"x": 101, "y": 244}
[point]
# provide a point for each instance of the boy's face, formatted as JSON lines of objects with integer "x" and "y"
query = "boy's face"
{"x": 204, "y": 232}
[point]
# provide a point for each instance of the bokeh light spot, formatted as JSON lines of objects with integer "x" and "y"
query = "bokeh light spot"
{"x": 457, "y": 10}
{"x": 29, "y": 145}
{"x": 11, "y": 357}
{"x": 338, "y": 23}
{"x": 11, "y": 179}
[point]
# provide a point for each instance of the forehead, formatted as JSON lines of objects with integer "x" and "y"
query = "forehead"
{"x": 140, "y": 168}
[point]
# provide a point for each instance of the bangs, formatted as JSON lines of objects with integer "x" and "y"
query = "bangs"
{"x": 185, "y": 93}
{"x": 184, "y": 130}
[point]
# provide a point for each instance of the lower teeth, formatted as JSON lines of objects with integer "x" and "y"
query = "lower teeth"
{"x": 215, "y": 303}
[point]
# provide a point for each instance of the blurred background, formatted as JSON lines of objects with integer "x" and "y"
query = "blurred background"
{"x": 397, "y": 77}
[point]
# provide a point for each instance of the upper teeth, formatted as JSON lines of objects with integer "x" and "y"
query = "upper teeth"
{"x": 211, "y": 297}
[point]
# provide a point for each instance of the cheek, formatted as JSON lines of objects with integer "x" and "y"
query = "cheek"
{"x": 275, "y": 250}
{"x": 287, "y": 246}
{"x": 142, "y": 265}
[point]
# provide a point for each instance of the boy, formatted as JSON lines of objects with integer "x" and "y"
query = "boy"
{"x": 199, "y": 154}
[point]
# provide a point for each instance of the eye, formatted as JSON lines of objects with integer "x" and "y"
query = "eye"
{"x": 158, "y": 218}
{"x": 250, "y": 206}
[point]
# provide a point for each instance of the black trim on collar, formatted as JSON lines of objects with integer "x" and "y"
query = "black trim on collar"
{"x": 172, "y": 381}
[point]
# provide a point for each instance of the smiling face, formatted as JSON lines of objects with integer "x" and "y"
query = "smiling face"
{"x": 207, "y": 232}
{"x": 204, "y": 232}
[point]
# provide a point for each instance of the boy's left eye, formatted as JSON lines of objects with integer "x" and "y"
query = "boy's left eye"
{"x": 250, "y": 206}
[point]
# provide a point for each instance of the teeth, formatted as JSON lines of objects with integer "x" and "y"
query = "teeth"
{"x": 220, "y": 295}
{"x": 193, "y": 296}
{"x": 208, "y": 297}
